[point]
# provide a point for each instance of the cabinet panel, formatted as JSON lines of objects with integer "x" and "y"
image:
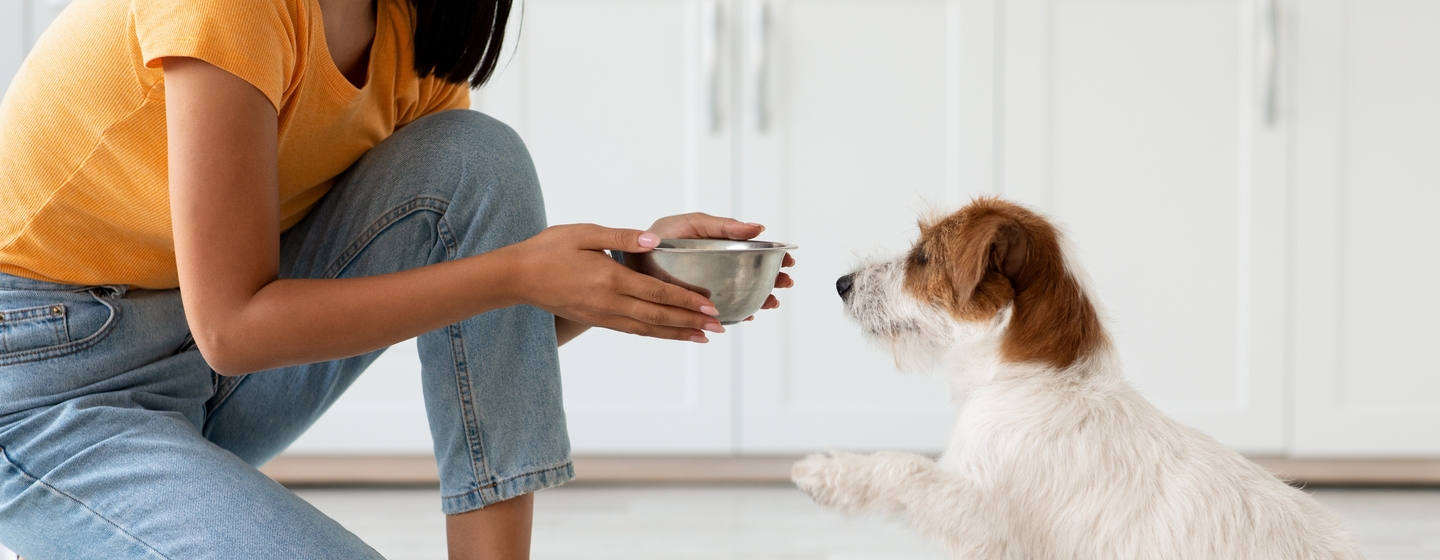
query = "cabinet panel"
{"x": 13, "y": 45}
{"x": 383, "y": 412}
{"x": 859, "y": 137}
{"x": 1140, "y": 126}
{"x": 613, "y": 99}
{"x": 1369, "y": 159}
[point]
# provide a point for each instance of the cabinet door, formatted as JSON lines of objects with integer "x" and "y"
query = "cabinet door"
{"x": 852, "y": 127}
{"x": 1145, "y": 128}
{"x": 1368, "y": 167}
{"x": 21, "y": 23}
{"x": 618, "y": 102}
{"x": 383, "y": 413}
{"x": 13, "y": 45}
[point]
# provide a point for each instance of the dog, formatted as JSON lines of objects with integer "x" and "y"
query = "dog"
{"x": 1053, "y": 455}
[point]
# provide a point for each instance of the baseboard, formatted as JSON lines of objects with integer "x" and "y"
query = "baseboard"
{"x": 1360, "y": 472}
{"x": 420, "y": 469}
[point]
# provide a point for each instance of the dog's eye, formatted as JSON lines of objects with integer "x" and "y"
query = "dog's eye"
{"x": 921, "y": 258}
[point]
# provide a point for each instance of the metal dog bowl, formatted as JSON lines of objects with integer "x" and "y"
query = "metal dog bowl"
{"x": 736, "y": 275}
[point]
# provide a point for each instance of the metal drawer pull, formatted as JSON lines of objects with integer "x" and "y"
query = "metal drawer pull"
{"x": 712, "y": 26}
{"x": 760, "y": 61}
{"x": 1269, "y": 48}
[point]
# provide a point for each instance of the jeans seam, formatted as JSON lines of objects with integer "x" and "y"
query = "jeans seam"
{"x": 5, "y": 456}
{"x": 417, "y": 204}
{"x": 224, "y": 387}
{"x": 499, "y": 482}
{"x": 474, "y": 439}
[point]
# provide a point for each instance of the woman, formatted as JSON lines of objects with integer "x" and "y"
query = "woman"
{"x": 217, "y": 213}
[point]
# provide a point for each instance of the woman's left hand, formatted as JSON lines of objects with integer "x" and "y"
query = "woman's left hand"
{"x": 697, "y": 225}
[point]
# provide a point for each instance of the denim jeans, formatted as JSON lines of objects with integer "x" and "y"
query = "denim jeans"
{"x": 118, "y": 441}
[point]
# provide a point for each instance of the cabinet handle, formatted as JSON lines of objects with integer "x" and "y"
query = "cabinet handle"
{"x": 1270, "y": 59}
{"x": 711, "y": 28}
{"x": 760, "y": 61}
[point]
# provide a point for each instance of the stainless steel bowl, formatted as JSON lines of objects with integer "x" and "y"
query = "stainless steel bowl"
{"x": 736, "y": 275}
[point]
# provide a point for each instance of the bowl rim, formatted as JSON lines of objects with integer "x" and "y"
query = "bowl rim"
{"x": 774, "y": 246}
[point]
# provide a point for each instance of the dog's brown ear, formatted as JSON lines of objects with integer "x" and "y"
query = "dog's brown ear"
{"x": 992, "y": 246}
{"x": 1010, "y": 251}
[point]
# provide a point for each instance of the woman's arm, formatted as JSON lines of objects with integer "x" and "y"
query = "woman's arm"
{"x": 224, "y": 184}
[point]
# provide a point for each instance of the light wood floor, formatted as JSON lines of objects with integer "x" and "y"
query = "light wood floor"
{"x": 767, "y": 522}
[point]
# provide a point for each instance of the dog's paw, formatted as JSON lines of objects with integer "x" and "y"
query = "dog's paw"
{"x": 818, "y": 476}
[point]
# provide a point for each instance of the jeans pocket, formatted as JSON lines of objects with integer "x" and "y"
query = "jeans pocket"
{"x": 63, "y": 323}
{"x": 32, "y": 327}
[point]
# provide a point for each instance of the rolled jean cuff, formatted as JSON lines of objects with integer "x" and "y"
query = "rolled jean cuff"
{"x": 502, "y": 490}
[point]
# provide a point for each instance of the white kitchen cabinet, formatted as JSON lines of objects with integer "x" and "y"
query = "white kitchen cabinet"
{"x": 1144, "y": 128}
{"x": 21, "y": 23}
{"x": 851, "y": 129}
{"x": 12, "y": 39}
{"x": 1368, "y": 238}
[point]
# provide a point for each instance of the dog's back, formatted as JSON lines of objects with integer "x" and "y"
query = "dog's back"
{"x": 1092, "y": 470}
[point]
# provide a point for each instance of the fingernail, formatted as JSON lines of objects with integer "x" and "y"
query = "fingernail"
{"x": 709, "y": 310}
{"x": 714, "y": 327}
{"x": 753, "y": 224}
{"x": 700, "y": 338}
{"x": 649, "y": 240}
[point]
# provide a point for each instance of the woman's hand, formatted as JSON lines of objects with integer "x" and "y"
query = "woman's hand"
{"x": 564, "y": 270}
{"x": 697, "y": 225}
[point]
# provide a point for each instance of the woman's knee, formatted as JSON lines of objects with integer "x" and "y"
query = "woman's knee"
{"x": 471, "y": 137}
{"x": 497, "y": 194}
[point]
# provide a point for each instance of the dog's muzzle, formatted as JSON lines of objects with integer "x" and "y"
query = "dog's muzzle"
{"x": 844, "y": 284}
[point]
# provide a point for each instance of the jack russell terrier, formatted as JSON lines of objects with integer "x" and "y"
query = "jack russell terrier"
{"x": 1054, "y": 455}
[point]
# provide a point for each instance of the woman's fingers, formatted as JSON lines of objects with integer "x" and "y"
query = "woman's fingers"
{"x": 651, "y": 289}
{"x": 595, "y": 238}
{"x": 784, "y": 281}
{"x": 770, "y": 303}
{"x": 789, "y": 260}
{"x": 669, "y": 316}
{"x": 629, "y": 325}
{"x": 735, "y": 229}
{"x": 698, "y": 225}
{"x": 658, "y": 303}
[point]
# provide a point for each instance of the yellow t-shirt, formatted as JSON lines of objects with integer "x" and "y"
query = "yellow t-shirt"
{"x": 84, "y": 196}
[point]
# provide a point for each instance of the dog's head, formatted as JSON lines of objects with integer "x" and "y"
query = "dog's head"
{"x": 993, "y": 269}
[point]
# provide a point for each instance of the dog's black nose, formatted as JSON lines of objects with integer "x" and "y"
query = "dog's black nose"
{"x": 844, "y": 284}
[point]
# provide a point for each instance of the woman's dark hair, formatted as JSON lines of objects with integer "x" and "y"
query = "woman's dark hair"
{"x": 459, "y": 40}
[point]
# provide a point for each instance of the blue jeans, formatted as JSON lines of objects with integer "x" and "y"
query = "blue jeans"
{"x": 118, "y": 441}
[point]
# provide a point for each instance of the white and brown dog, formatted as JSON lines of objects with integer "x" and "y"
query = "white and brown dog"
{"x": 1054, "y": 455}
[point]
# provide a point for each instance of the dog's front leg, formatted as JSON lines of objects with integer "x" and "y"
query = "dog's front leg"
{"x": 886, "y": 481}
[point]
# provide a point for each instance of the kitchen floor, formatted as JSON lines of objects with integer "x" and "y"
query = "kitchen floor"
{"x": 767, "y": 522}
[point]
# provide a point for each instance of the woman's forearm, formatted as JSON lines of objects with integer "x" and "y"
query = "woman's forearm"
{"x": 298, "y": 321}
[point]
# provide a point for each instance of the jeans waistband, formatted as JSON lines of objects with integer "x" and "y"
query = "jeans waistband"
{"x": 12, "y": 282}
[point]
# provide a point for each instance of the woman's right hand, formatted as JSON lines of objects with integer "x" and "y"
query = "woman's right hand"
{"x": 564, "y": 270}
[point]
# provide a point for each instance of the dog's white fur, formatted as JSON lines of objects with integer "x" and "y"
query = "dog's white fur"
{"x": 1058, "y": 464}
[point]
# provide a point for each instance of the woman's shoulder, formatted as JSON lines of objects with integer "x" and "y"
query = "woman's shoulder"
{"x": 223, "y": 18}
